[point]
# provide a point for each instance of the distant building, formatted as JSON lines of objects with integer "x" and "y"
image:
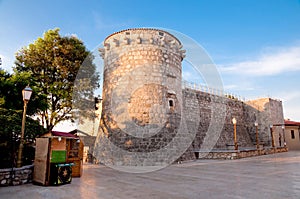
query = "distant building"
{"x": 292, "y": 134}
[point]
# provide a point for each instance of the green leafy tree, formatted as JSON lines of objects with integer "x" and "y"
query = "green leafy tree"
{"x": 11, "y": 109}
{"x": 53, "y": 62}
{"x": 11, "y": 87}
{"x": 10, "y": 128}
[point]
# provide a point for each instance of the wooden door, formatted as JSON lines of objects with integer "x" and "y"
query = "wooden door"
{"x": 41, "y": 161}
{"x": 75, "y": 155}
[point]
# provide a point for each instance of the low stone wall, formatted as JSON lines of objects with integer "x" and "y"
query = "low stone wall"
{"x": 232, "y": 154}
{"x": 16, "y": 176}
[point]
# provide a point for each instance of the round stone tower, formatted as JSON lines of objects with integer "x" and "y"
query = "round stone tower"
{"x": 142, "y": 93}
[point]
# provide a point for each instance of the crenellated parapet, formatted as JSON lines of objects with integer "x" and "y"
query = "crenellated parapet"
{"x": 145, "y": 37}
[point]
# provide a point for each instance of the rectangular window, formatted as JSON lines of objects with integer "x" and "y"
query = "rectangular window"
{"x": 171, "y": 103}
{"x": 292, "y": 134}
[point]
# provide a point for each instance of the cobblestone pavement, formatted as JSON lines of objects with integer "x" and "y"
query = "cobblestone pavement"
{"x": 270, "y": 176}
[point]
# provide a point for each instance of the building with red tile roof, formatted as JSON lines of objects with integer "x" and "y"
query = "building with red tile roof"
{"x": 292, "y": 134}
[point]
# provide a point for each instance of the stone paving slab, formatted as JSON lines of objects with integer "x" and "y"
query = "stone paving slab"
{"x": 269, "y": 176}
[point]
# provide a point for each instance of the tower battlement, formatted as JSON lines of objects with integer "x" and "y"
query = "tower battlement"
{"x": 141, "y": 37}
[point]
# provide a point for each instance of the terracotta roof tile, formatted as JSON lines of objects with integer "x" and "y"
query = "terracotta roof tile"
{"x": 291, "y": 123}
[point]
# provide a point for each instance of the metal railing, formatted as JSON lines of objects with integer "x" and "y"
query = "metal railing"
{"x": 210, "y": 90}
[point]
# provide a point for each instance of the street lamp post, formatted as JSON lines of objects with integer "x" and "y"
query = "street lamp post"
{"x": 256, "y": 132}
{"x": 272, "y": 135}
{"x": 283, "y": 132}
{"x": 26, "y": 92}
{"x": 234, "y": 134}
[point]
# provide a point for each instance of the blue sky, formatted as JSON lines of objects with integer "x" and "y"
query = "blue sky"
{"x": 254, "y": 43}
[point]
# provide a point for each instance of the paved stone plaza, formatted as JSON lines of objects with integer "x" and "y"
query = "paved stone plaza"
{"x": 270, "y": 176}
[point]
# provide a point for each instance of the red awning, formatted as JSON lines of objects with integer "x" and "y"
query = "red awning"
{"x": 63, "y": 134}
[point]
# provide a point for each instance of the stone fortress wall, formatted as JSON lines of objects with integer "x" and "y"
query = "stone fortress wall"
{"x": 265, "y": 111}
{"x": 143, "y": 100}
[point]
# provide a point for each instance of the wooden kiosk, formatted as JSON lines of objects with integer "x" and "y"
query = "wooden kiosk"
{"x": 58, "y": 158}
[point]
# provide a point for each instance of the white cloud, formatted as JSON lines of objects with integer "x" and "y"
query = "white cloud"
{"x": 291, "y": 110}
{"x": 103, "y": 23}
{"x": 275, "y": 61}
{"x": 244, "y": 86}
{"x": 291, "y": 104}
{"x": 294, "y": 95}
{"x": 7, "y": 63}
{"x": 230, "y": 86}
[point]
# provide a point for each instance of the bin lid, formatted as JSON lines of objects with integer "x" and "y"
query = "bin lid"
{"x": 64, "y": 164}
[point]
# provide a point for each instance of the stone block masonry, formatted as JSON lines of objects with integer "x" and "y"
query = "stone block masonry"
{"x": 270, "y": 113}
{"x": 144, "y": 104}
{"x": 142, "y": 94}
{"x": 265, "y": 111}
{"x": 16, "y": 176}
{"x": 203, "y": 102}
{"x": 232, "y": 154}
